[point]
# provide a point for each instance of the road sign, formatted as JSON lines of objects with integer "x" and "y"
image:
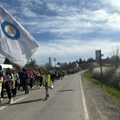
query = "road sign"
{"x": 98, "y": 54}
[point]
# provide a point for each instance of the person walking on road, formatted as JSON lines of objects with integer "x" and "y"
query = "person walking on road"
{"x": 46, "y": 83}
{"x": 38, "y": 78}
{"x": 31, "y": 78}
{"x": 1, "y": 81}
{"x": 25, "y": 79}
{"x": 20, "y": 84}
{"x": 16, "y": 79}
{"x": 9, "y": 84}
{"x": 41, "y": 79}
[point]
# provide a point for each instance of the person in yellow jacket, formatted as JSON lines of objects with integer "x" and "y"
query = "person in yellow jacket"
{"x": 46, "y": 83}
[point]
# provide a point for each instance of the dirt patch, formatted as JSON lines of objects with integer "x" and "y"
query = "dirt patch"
{"x": 100, "y": 105}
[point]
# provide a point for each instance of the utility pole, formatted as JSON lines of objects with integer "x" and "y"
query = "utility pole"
{"x": 99, "y": 59}
{"x": 101, "y": 64}
{"x": 50, "y": 62}
{"x": 54, "y": 62}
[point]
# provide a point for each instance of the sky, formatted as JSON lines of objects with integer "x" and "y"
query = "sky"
{"x": 69, "y": 29}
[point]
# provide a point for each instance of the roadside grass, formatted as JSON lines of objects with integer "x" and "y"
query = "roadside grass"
{"x": 113, "y": 92}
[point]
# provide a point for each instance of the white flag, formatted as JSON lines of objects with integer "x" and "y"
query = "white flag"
{"x": 16, "y": 43}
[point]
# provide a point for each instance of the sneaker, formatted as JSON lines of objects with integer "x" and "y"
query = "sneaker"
{"x": 52, "y": 87}
{"x": 45, "y": 98}
{"x": 14, "y": 95}
{"x": 47, "y": 95}
{"x": 1, "y": 99}
{"x": 11, "y": 101}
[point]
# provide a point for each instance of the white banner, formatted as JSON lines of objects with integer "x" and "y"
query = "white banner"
{"x": 16, "y": 43}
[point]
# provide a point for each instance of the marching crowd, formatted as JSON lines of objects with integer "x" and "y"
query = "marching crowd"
{"x": 12, "y": 81}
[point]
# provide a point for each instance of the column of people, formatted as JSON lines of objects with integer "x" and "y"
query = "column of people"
{"x": 12, "y": 81}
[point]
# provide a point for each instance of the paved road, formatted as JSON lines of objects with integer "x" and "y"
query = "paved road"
{"x": 66, "y": 102}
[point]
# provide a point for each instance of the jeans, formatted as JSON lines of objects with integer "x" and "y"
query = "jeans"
{"x": 46, "y": 89}
{"x": 25, "y": 86}
{"x": 8, "y": 89}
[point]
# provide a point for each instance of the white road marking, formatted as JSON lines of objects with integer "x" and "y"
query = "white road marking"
{"x": 1, "y": 108}
{"x": 84, "y": 103}
{"x": 18, "y": 100}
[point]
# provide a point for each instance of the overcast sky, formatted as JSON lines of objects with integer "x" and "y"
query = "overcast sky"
{"x": 69, "y": 29}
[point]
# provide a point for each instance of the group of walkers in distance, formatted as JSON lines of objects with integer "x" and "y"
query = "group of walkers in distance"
{"x": 12, "y": 81}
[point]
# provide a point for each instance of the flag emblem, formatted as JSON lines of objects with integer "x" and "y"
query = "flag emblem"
{"x": 10, "y": 30}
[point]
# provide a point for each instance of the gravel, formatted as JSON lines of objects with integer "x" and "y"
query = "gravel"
{"x": 100, "y": 104}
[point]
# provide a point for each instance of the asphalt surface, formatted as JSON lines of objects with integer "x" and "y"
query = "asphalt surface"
{"x": 65, "y": 103}
{"x": 72, "y": 98}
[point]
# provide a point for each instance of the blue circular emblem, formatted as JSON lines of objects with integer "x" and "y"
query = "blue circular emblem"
{"x": 10, "y": 30}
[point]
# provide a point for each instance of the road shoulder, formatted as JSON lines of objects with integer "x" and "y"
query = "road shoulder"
{"x": 100, "y": 104}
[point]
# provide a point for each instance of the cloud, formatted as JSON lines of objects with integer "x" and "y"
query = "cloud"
{"x": 69, "y": 19}
{"x": 74, "y": 24}
{"x": 70, "y": 50}
{"x": 114, "y": 4}
{"x": 65, "y": 22}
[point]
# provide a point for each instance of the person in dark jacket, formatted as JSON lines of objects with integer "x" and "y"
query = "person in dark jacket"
{"x": 9, "y": 82}
{"x": 25, "y": 79}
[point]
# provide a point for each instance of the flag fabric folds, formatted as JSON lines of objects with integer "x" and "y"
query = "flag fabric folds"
{"x": 16, "y": 43}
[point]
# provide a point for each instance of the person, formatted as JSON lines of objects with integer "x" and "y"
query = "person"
{"x": 1, "y": 81}
{"x": 41, "y": 79}
{"x": 31, "y": 78}
{"x": 20, "y": 83}
{"x": 38, "y": 78}
{"x": 52, "y": 75}
{"x": 25, "y": 79}
{"x": 9, "y": 84}
{"x": 3, "y": 86}
{"x": 46, "y": 83}
{"x": 16, "y": 79}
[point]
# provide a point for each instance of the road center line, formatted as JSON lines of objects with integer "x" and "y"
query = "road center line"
{"x": 18, "y": 100}
{"x": 1, "y": 108}
{"x": 84, "y": 103}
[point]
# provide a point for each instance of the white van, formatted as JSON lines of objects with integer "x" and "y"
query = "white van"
{"x": 4, "y": 66}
